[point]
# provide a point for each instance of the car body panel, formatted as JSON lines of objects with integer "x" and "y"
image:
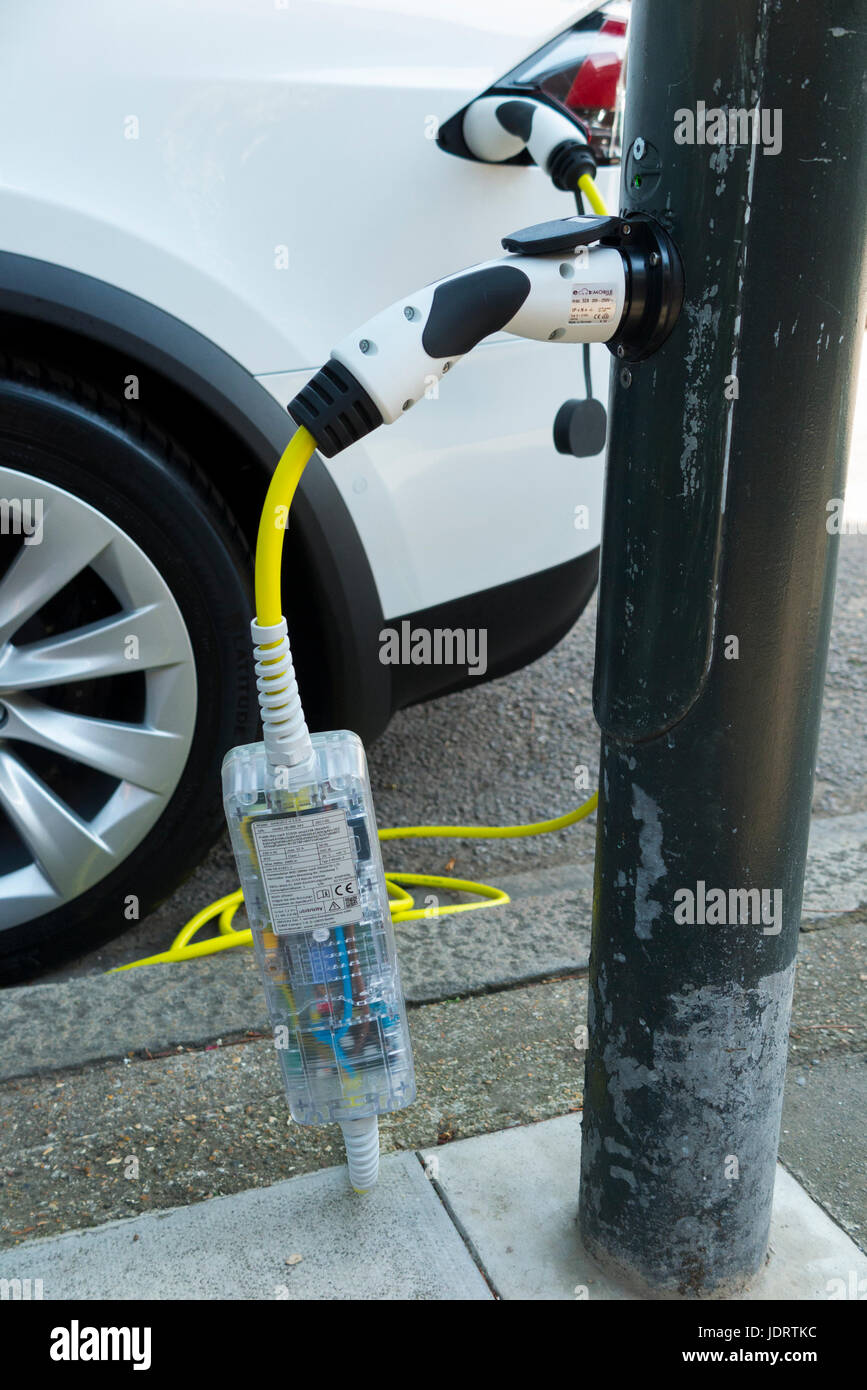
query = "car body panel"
{"x": 271, "y": 177}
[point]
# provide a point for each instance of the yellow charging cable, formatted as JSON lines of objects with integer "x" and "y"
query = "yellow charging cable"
{"x": 588, "y": 187}
{"x": 402, "y": 904}
{"x": 490, "y": 832}
{"x": 272, "y": 526}
{"x": 269, "y": 611}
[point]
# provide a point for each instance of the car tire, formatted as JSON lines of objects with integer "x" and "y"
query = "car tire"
{"x": 173, "y": 563}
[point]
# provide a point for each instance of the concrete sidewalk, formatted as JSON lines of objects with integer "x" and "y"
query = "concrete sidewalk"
{"x": 484, "y": 1218}
{"x": 130, "y": 1094}
{"x": 145, "y": 1134}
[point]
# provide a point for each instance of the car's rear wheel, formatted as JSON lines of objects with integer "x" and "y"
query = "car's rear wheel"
{"x": 124, "y": 666}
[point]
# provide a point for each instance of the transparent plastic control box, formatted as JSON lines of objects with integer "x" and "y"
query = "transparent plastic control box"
{"x": 308, "y": 859}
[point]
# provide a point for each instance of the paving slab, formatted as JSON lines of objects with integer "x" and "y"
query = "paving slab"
{"x": 514, "y": 1196}
{"x": 533, "y": 938}
{"x": 503, "y": 1204}
{"x": 836, "y": 877}
{"x": 823, "y": 1141}
{"x": 95, "y": 1018}
{"x": 309, "y": 1237}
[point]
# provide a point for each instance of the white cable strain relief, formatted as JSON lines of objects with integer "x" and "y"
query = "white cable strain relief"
{"x": 284, "y": 729}
{"x": 362, "y": 1151}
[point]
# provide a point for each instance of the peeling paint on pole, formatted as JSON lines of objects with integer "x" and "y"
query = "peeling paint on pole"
{"x": 714, "y": 612}
{"x": 650, "y": 865}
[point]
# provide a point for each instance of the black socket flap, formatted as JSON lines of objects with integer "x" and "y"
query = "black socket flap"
{"x": 564, "y": 234}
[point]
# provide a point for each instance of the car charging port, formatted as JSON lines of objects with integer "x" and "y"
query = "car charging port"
{"x": 652, "y": 267}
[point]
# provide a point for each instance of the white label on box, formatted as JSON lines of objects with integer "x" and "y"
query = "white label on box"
{"x": 592, "y": 304}
{"x": 308, "y": 870}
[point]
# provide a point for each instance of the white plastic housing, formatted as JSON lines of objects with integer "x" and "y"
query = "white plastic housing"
{"x": 308, "y": 859}
{"x": 485, "y": 137}
{"x": 488, "y": 140}
{"x": 574, "y": 298}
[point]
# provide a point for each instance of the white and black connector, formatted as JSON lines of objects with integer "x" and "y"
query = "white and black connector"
{"x": 574, "y": 280}
{"x": 497, "y": 128}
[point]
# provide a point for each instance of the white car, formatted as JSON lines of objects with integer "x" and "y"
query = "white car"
{"x": 197, "y": 201}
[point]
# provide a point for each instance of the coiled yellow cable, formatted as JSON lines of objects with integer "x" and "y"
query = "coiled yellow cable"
{"x": 402, "y": 904}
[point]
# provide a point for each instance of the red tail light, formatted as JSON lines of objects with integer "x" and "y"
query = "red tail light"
{"x": 595, "y": 83}
{"x": 584, "y": 70}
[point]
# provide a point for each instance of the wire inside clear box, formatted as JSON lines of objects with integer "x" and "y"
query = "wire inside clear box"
{"x": 308, "y": 858}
